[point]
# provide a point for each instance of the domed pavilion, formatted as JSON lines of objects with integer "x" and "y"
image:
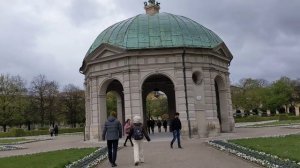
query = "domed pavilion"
{"x": 159, "y": 52}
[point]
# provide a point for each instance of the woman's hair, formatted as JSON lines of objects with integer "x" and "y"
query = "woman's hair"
{"x": 127, "y": 120}
{"x": 113, "y": 113}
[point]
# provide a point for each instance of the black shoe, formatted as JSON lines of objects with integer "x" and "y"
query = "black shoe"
{"x": 171, "y": 145}
{"x": 124, "y": 144}
{"x": 136, "y": 163}
{"x": 113, "y": 165}
{"x": 180, "y": 147}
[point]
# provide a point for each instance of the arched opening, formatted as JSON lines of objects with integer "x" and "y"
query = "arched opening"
{"x": 218, "y": 103}
{"x": 292, "y": 110}
{"x": 111, "y": 97}
{"x": 222, "y": 111}
{"x": 116, "y": 89}
{"x": 160, "y": 89}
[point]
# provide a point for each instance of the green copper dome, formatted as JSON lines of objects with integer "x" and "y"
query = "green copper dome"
{"x": 161, "y": 30}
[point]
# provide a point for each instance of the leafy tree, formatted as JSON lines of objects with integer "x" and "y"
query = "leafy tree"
{"x": 73, "y": 100}
{"x": 156, "y": 106}
{"x": 279, "y": 94}
{"x": 11, "y": 88}
{"x": 249, "y": 94}
{"x": 30, "y": 113}
{"x": 111, "y": 102}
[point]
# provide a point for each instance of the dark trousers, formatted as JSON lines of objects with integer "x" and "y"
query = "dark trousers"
{"x": 128, "y": 137}
{"x": 176, "y": 135}
{"x": 112, "y": 147}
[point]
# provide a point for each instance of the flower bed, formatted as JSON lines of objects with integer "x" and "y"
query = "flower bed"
{"x": 261, "y": 158}
{"x": 91, "y": 160}
{"x": 10, "y": 147}
{"x": 27, "y": 141}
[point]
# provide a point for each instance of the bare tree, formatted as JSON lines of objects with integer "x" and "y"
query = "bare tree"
{"x": 52, "y": 101}
{"x": 45, "y": 93}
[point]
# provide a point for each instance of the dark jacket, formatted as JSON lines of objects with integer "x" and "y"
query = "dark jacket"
{"x": 144, "y": 132}
{"x": 175, "y": 124}
{"x": 165, "y": 123}
{"x": 112, "y": 129}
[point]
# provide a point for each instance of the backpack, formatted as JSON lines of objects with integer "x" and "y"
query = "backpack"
{"x": 138, "y": 133}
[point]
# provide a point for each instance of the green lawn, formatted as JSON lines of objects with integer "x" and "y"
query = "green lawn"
{"x": 284, "y": 147}
{"x": 54, "y": 159}
{"x": 12, "y": 141}
{"x": 276, "y": 123}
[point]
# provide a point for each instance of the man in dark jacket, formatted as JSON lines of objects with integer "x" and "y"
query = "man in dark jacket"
{"x": 112, "y": 131}
{"x": 175, "y": 128}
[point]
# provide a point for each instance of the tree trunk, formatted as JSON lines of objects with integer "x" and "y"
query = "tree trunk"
{"x": 4, "y": 128}
{"x": 28, "y": 126}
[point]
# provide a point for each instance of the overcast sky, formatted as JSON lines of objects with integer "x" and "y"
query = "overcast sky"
{"x": 51, "y": 37}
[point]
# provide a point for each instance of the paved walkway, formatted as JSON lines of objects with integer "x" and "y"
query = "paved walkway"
{"x": 196, "y": 152}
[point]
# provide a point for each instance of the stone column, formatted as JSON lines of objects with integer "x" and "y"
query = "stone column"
{"x": 87, "y": 112}
{"x": 94, "y": 114}
{"x": 297, "y": 110}
{"x": 213, "y": 125}
{"x": 132, "y": 94}
{"x": 268, "y": 112}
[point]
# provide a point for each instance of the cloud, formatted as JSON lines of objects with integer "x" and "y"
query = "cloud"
{"x": 51, "y": 37}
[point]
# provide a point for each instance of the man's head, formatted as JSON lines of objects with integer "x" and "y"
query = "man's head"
{"x": 113, "y": 113}
{"x": 176, "y": 114}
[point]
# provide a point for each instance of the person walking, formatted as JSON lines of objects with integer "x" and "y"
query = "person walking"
{"x": 127, "y": 128}
{"x": 175, "y": 128}
{"x": 152, "y": 125}
{"x": 148, "y": 125}
{"x": 165, "y": 125}
{"x": 159, "y": 125}
{"x": 138, "y": 133}
{"x": 112, "y": 131}
{"x": 51, "y": 130}
{"x": 55, "y": 130}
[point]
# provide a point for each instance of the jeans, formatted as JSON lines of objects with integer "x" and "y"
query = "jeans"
{"x": 176, "y": 135}
{"x": 128, "y": 137}
{"x": 112, "y": 147}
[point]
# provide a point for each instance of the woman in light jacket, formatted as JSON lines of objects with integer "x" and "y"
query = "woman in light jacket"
{"x": 138, "y": 143}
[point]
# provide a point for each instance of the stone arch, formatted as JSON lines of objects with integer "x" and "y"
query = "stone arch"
{"x": 222, "y": 110}
{"x": 156, "y": 73}
{"x": 114, "y": 85}
{"x": 159, "y": 82}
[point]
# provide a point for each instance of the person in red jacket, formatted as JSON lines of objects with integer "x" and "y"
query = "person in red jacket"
{"x": 127, "y": 128}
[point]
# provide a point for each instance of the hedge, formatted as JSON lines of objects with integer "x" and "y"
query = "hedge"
{"x": 19, "y": 132}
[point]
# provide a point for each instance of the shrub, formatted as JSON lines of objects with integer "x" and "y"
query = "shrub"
{"x": 283, "y": 117}
{"x": 255, "y": 118}
{"x": 18, "y": 132}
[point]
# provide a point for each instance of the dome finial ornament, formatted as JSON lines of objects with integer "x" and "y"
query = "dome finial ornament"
{"x": 152, "y": 7}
